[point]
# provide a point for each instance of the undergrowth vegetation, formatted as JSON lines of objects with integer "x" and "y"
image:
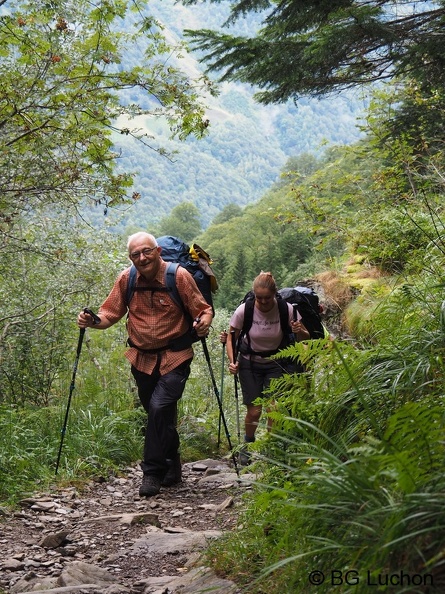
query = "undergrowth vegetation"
{"x": 95, "y": 426}
{"x": 350, "y": 493}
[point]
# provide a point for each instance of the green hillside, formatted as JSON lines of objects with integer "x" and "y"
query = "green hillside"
{"x": 246, "y": 146}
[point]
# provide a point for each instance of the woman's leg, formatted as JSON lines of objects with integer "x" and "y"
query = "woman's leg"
{"x": 253, "y": 416}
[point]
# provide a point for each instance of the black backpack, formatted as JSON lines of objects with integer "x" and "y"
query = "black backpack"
{"x": 244, "y": 346}
{"x": 303, "y": 299}
{"x": 308, "y": 306}
{"x": 196, "y": 261}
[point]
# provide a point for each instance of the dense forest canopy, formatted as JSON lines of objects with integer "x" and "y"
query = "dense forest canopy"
{"x": 241, "y": 157}
{"x": 246, "y": 146}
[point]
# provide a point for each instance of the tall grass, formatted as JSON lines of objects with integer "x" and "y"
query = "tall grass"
{"x": 352, "y": 487}
{"x": 105, "y": 423}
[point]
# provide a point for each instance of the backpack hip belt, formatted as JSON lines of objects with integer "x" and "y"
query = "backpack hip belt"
{"x": 149, "y": 351}
{"x": 245, "y": 349}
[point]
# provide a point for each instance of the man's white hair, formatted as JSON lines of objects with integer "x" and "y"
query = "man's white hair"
{"x": 139, "y": 236}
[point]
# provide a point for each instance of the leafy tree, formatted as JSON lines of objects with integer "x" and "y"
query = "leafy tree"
{"x": 228, "y": 212}
{"x": 317, "y": 47}
{"x": 62, "y": 69}
{"x": 65, "y": 83}
{"x": 51, "y": 275}
{"x": 405, "y": 129}
{"x": 183, "y": 222}
{"x": 409, "y": 112}
{"x": 304, "y": 164}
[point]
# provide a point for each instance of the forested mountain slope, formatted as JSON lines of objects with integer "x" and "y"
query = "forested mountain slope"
{"x": 246, "y": 146}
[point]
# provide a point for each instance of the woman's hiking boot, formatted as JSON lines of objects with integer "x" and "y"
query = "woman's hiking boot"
{"x": 245, "y": 457}
{"x": 173, "y": 476}
{"x": 151, "y": 485}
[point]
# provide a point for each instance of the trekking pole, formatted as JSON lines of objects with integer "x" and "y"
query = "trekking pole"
{"x": 235, "y": 377}
{"x": 221, "y": 390}
{"x": 221, "y": 412}
{"x": 79, "y": 348}
{"x": 73, "y": 379}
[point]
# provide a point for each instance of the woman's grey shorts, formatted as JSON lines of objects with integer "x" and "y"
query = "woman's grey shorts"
{"x": 255, "y": 376}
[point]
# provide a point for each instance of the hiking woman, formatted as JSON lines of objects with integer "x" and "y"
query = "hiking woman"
{"x": 264, "y": 338}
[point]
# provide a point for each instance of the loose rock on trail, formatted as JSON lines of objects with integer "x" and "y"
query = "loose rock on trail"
{"x": 106, "y": 539}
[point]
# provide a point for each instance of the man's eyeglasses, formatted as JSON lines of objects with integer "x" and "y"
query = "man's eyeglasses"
{"x": 146, "y": 252}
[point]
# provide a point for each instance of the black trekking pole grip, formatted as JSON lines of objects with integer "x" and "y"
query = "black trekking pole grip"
{"x": 96, "y": 318}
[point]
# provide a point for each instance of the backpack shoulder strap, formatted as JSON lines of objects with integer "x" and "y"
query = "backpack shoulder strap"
{"x": 170, "y": 281}
{"x": 247, "y": 324}
{"x": 131, "y": 284}
{"x": 283, "y": 310}
{"x": 248, "y": 316}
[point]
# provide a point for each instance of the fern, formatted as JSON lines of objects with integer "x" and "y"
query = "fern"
{"x": 413, "y": 440}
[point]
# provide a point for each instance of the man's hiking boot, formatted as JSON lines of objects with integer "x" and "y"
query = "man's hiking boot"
{"x": 173, "y": 476}
{"x": 151, "y": 485}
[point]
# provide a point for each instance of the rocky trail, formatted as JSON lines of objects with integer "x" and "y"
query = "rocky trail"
{"x": 105, "y": 539}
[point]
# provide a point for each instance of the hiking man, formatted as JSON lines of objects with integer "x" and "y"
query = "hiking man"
{"x": 160, "y": 350}
{"x": 263, "y": 339}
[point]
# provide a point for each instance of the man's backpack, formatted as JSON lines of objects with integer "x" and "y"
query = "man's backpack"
{"x": 308, "y": 306}
{"x": 177, "y": 253}
{"x": 196, "y": 261}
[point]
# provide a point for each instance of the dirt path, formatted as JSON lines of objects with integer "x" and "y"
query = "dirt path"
{"x": 106, "y": 539}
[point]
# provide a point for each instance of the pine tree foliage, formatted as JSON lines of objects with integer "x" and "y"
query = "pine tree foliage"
{"x": 315, "y": 48}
